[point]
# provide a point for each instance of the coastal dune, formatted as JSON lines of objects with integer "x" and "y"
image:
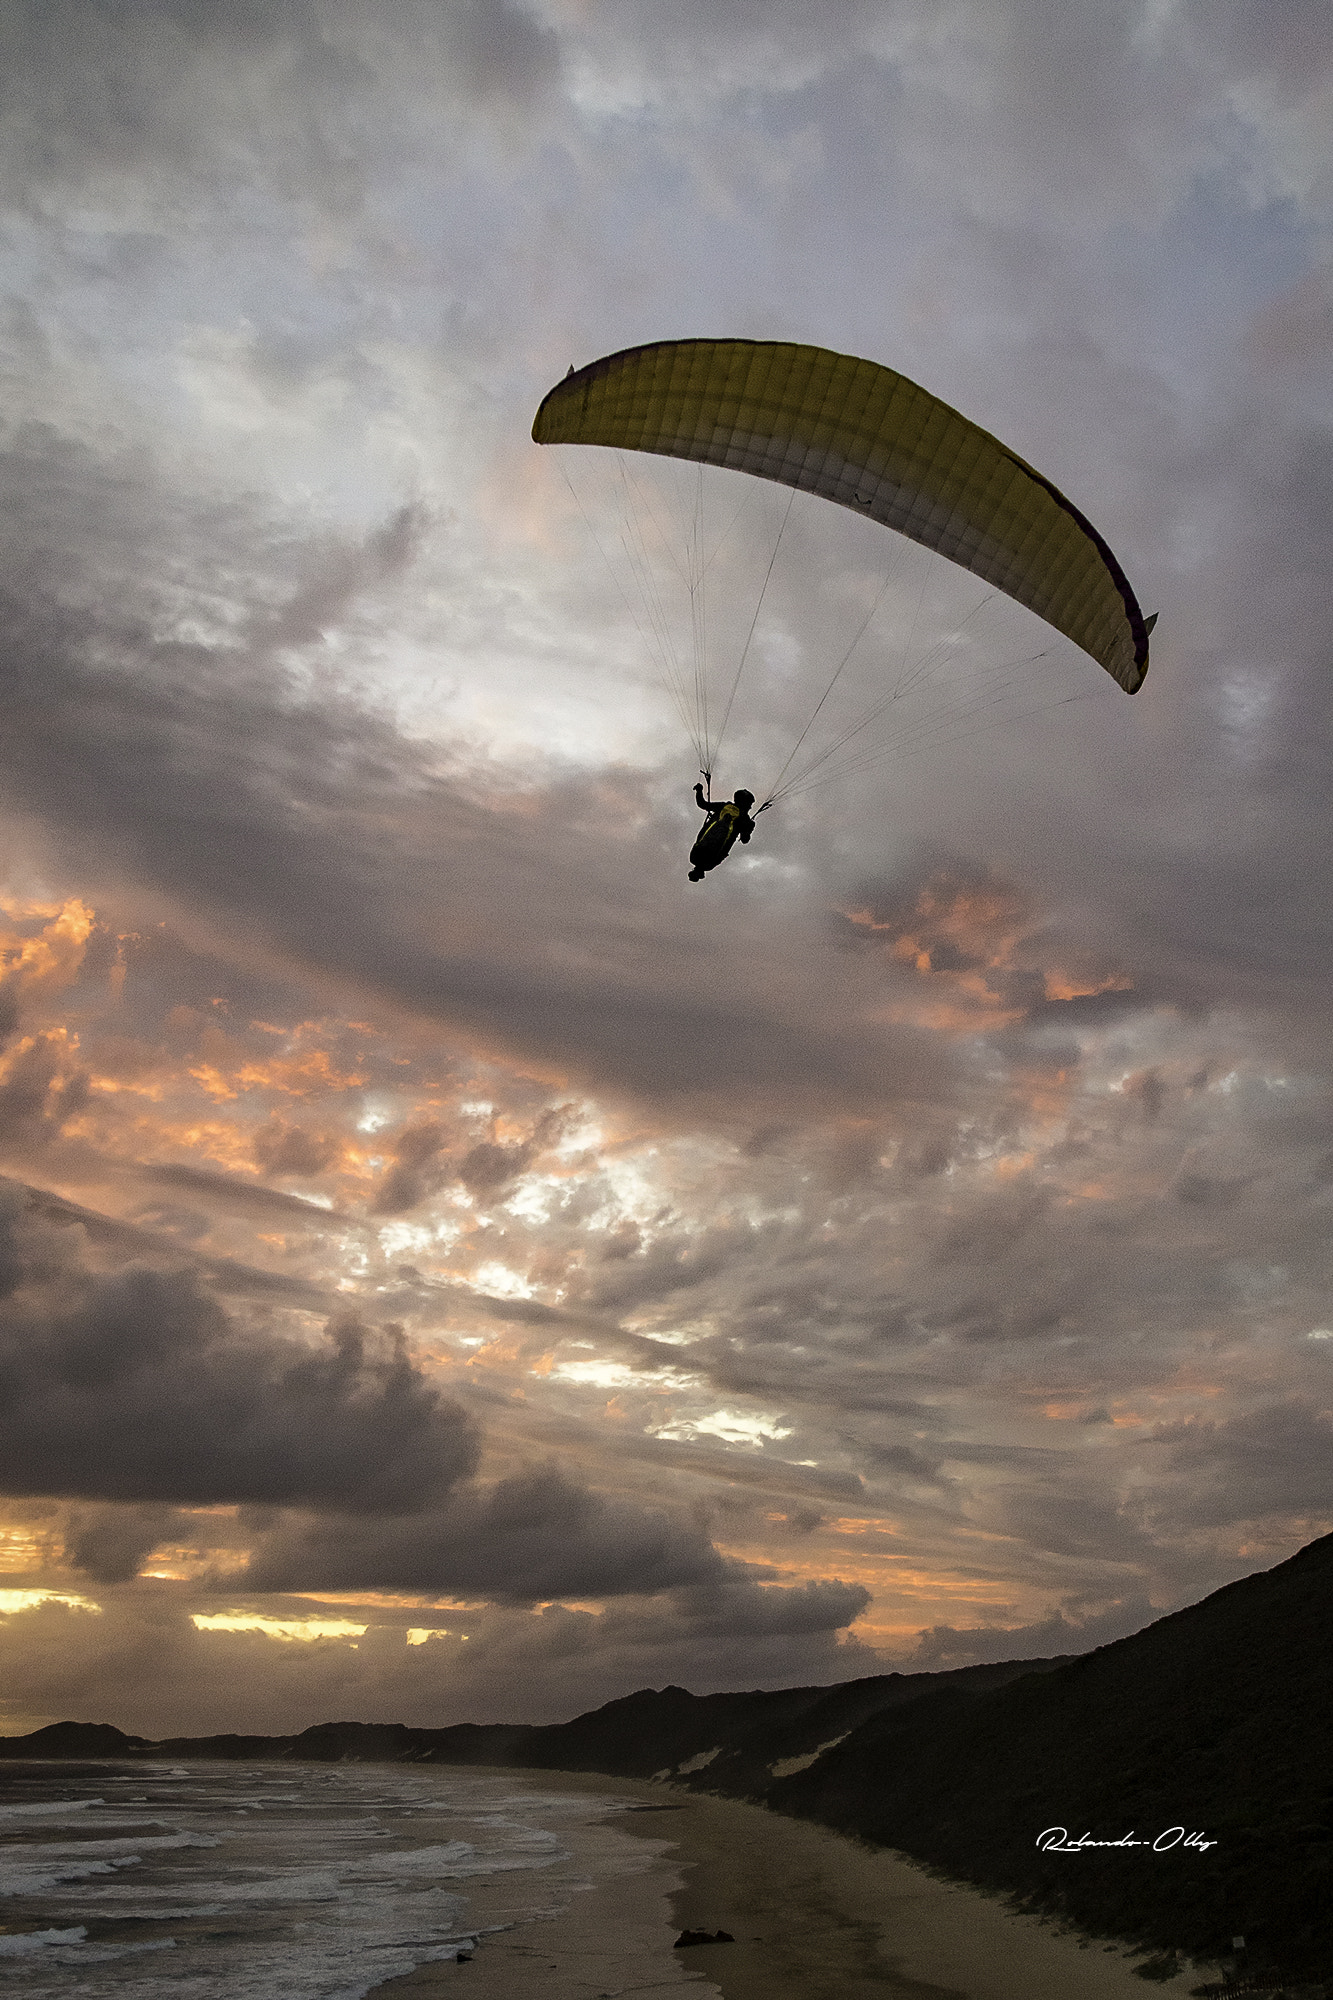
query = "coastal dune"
{"x": 814, "y": 1917}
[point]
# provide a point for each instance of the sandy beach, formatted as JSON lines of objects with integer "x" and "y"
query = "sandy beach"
{"x": 814, "y": 1916}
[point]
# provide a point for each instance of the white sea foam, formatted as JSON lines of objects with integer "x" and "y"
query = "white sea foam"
{"x": 30, "y": 1878}
{"x": 38, "y": 1866}
{"x": 60, "y": 1809}
{"x": 452, "y": 1862}
{"x": 27, "y": 1942}
{"x": 314, "y": 1883}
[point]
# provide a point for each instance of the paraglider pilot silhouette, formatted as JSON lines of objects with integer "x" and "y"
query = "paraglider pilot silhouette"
{"x": 726, "y": 823}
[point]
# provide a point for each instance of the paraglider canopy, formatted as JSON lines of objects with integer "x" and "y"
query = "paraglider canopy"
{"x": 865, "y": 437}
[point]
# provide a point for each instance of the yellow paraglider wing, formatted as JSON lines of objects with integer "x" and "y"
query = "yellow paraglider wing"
{"x": 868, "y": 438}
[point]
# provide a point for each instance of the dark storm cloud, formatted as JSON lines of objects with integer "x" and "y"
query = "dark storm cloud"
{"x": 902, "y": 1460}
{"x": 232, "y": 1191}
{"x": 500, "y": 51}
{"x": 1068, "y": 1516}
{"x": 170, "y": 1244}
{"x": 1206, "y": 1192}
{"x": 1273, "y": 1460}
{"x": 420, "y": 1166}
{"x": 109, "y": 1543}
{"x": 283, "y": 1148}
{"x": 125, "y": 1237}
{"x": 537, "y": 1535}
{"x": 41, "y": 1091}
{"x": 137, "y": 1386}
{"x": 680, "y": 1259}
{"x": 943, "y": 1647}
{"x": 823, "y": 1605}
{"x": 416, "y": 1171}
{"x": 236, "y": 1280}
{"x": 487, "y": 1166}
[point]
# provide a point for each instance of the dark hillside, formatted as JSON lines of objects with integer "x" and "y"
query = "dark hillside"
{"x": 1218, "y": 1719}
{"x": 730, "y": 1740}
{"x": 74, "y": 1739}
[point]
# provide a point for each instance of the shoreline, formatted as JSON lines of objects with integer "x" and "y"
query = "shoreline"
{"x": 614, "y": 1937}
{"x": 815, "y": 1916}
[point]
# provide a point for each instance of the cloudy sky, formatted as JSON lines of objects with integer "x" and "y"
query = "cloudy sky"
{"x": 453, "y": 1267}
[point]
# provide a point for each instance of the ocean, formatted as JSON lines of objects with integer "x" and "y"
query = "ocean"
{"x": 144, "y": 1881}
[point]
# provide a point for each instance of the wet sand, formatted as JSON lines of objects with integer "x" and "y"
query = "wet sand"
{"x": 815, "y": 1917}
